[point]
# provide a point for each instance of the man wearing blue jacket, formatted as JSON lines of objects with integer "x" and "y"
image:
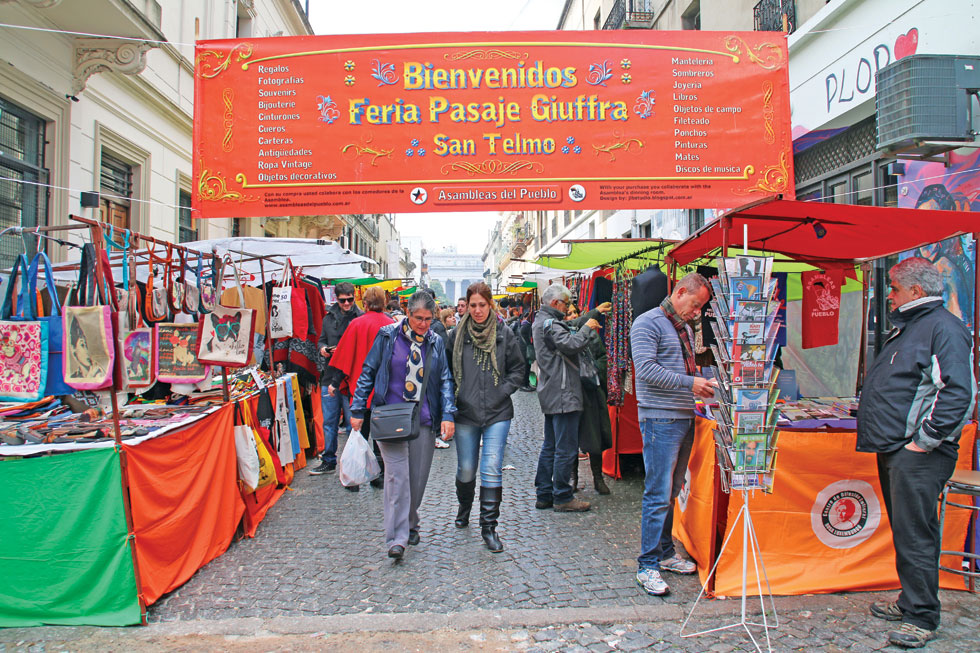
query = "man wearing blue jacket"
{"x": 918, "y": 395}
{"x": 662, "y": 343}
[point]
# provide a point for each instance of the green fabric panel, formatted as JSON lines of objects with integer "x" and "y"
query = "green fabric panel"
{"x": 66, "y": 555}
{"x": 366, "y": 281}
{"x": 595, "y": 254}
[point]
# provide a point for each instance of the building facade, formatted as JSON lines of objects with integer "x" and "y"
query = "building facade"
{"x": 454, "y": 271}
{"x": 112, "y": 114}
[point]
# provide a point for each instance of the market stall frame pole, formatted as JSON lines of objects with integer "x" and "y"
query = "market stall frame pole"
{"x": 749, "y": 538}
{"x": 96, "y": 235}
{"x": 976, "y": 314}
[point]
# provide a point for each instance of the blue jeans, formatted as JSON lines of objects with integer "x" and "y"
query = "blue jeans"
{"x": 468, "y": 452}
{"x": 559, "y": 451}
{"x": 332, "y": 407}
{"x": 666, "y": 450}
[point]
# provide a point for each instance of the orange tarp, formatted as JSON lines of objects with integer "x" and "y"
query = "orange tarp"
{"x": 801, "y": 553}
{"x": 185, "y": 501}
{"x": 700, "y": 501}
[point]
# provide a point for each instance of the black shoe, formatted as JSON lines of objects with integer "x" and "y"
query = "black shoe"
{"x": 378, "y": 482}
{"x": 352, "y": 488}
{"x": 542, "y": 504}
{"x": 910, "y": 636}
{"x": 413, "y": 538}
{"x": 527, "y": 388}
{"x": 887, "y": 611}
{"x": 324, "y": 468}
{"x": 490, "y": 498}
{"x": 396, "y": 552}
{"x": 464, "y": 494}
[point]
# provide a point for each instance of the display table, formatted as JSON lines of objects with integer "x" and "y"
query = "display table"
{"x": 823, "y": 529}
{"x": 71, "y": 558}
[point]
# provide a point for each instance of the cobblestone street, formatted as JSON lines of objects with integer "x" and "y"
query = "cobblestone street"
{"x": 317, "y": 577}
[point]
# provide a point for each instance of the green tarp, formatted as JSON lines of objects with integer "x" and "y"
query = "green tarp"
{"x": 595, "y": 253}
{"x": 64, "y": 549}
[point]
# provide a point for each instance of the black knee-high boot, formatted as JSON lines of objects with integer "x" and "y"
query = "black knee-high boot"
{"x": 595, "y": 462}
{"x": 464, "y": 493}
{"x": 489, "y": 512}
{"x": 574, "y": 478}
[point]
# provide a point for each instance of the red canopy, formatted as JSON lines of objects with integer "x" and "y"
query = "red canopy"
{"x": 850, "y": 233}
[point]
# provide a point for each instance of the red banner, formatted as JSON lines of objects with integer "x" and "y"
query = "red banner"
{"x": 499, "y": 121}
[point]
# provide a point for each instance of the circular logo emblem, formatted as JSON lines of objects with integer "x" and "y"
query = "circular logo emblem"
{"x": 845, "y": 514}
{"x": 576, "y": 193}
{"x": 685, "y": 491}
{"x": 418, "y": 195}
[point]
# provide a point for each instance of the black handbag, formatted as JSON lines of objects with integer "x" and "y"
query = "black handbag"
{"x": 401, "y": 420}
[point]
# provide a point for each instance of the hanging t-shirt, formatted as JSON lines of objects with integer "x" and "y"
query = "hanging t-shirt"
{"x": 821, "y": 307}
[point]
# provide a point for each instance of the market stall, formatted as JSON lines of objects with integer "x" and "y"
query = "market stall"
{"x": 129, "y": 478}
{"x": 823, "y": 527}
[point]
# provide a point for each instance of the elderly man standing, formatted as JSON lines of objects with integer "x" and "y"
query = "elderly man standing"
{"x": 560, "y": 395}
{"x": 917, "y": 396}
{"x": 335, "y": 322}
{"x": 666, "y": 384}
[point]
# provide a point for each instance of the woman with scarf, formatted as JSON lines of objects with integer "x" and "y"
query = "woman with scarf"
{"x": 406, "y": 359}
{"x": 488, "y": 366}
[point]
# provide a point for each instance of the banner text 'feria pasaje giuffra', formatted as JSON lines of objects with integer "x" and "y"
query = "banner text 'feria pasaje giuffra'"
{"x": 490, "y": 121}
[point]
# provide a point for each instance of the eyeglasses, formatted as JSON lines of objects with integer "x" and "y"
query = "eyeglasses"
{"x": 345, "y": 300}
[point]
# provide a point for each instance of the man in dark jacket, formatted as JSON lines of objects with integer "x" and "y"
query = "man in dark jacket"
{"x": 918, "y": 394}
{"x": 560, "y": 396}
{"x": 335, "y": 322}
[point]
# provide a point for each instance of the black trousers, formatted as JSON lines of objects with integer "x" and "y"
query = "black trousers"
{"x": 911, "y": 483}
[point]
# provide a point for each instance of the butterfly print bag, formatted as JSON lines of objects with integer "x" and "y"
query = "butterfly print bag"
{"x": 226, "y": 333}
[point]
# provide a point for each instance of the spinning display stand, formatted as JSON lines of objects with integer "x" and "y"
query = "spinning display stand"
{"x": 745, "y": 305}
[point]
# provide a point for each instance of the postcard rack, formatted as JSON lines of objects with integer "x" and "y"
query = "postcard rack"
{"x": 745, "y": 305}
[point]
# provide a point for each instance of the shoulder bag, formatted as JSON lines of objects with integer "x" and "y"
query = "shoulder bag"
{"x": 401, "y": 420}
{"x": 23, "y": 343}
{"x": 227, "y": 333}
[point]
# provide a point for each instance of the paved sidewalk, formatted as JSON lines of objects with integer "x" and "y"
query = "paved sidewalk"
{"x": 316, "y": 577}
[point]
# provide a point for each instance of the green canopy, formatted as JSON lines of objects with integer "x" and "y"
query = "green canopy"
{"x": 639, "y": 253}
{"x": 408, "y": 292}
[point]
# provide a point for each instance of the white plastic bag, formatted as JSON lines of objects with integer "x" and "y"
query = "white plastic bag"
{"x": 248, "y": 457}
{"x": 357, "y": 462}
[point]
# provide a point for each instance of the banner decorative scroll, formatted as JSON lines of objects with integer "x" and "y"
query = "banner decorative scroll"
{"x": 501, "y": 121}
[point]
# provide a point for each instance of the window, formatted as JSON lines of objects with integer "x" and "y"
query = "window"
{"x": 186, "y": 226}
{"x": 554, "y": 225}
{"x": 236, "y": 227}
{"x": 591, "y": 228}
{"x": 23, "y": 194}
{"x": 691, "y": 18}
{"x": 243, "y": 19}
{"x": 864, "y": 189}
{"x": 568, "y": 218}
{"x": 116, "y": 186}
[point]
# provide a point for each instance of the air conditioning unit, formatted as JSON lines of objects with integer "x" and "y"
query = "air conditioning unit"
{"x": 926, "y": 98}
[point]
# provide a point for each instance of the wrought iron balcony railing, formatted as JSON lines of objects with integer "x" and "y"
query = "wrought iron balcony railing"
{"x": 630, "y": 13}
{"x": 768, "y": 15}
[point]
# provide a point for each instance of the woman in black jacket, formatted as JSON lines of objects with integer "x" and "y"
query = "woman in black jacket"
{"x": 488, "y": 366}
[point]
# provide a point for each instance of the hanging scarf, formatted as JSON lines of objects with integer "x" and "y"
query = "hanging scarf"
{"x": 414, "y": 366}
{"x": 484, "y": 337}
{"x": 682, "y": 333}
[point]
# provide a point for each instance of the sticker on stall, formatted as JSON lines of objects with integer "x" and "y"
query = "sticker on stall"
{"x": 845, "y": 514}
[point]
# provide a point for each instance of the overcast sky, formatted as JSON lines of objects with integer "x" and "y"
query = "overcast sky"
{"x": 467, "y": 231}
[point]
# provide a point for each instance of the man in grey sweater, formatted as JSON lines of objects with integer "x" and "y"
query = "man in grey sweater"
{"x": 662, "y": 344}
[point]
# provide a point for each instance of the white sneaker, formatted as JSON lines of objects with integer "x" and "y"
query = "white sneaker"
{"x": 441, "y": 444}
{"x": 678, "y": 565}
{"x": 651, "y": 582}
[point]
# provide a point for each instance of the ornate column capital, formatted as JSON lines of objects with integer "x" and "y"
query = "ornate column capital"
{"x": 99, "y": 55}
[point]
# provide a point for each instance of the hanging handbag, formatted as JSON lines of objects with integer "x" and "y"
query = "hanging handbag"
{"x": 91, "y": 351}
{"x": 23, "y": 343}
{"x": 401, "y": 420}
{"x": 135, "y": 344}
{"x": 209, "y": 291}
{"x": 155, "y": 300}
{"x": 56, "y": 375}
{"x": 281, "y": 307}
{"x": 246, "y": 453}
{"x": 175, "y": 287}
{"x": 226, "y": 334}
{"x": 176, "y": 353}
{"x": 192, "y": 295}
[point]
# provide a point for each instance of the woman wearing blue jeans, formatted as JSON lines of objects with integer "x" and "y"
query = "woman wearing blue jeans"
{"x": 488, "y": 367}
